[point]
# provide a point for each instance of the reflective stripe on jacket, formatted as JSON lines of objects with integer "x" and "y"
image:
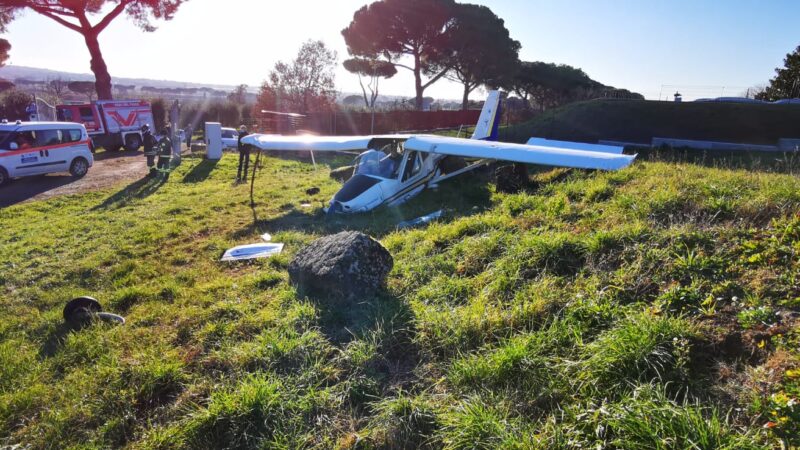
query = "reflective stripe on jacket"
{"x": 165, "y": 148}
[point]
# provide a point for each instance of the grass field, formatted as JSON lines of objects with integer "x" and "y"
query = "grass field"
{"x": 655, "y": 307}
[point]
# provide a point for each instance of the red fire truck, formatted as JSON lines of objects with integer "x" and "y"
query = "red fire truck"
{"x": 112, "y": 124}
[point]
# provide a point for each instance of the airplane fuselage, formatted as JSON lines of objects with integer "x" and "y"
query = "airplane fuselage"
{"x": 396, "y": 167}
{"x": 366, "y": 191}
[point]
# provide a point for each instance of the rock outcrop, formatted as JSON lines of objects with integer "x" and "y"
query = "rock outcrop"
{"x": 344, "y": 265}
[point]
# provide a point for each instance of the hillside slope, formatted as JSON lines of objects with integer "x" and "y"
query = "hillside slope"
{"x": 640, "y": 121}
{"x": 654, "y": 307}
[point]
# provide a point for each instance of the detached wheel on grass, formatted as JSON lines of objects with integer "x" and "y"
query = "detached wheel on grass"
{"x": 83, "y": 310}
{"x": 3, "y": 177}
{"x": 80, "y": 309}
{"x": 79, "y": 167}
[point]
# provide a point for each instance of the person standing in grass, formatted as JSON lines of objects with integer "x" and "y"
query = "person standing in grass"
{"x": 189, "y": 132}
{"x": 244, "y": 156}
{"x": 165, "y": 149}
{"x": 150, "y": 150}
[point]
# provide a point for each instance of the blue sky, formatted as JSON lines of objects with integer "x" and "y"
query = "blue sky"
{"x": 702, "y": 48}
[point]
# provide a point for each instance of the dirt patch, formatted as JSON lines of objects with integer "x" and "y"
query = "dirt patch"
{"x": 109, "y": 169}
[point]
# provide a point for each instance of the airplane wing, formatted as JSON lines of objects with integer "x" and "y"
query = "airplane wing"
{"x": 314, "y": 143}
{"x": 576, "y": 145}
{"x": 318, "y": 143}
{"x": 522, "y": 153}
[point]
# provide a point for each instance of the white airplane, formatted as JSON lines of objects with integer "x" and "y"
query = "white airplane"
{"x": 394, "y": 168}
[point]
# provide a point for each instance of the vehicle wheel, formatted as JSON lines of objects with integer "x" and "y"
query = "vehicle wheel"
{"x": 133, "y": 142}
{"x": 79, "y": 309}
{"x": 3, "y": 176}
{"x": 79, "y": 167}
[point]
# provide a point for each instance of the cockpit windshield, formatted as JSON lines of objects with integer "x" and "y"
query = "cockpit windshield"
{"x": 378, "y": 163}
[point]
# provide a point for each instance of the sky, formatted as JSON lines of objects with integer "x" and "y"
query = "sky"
{"x": 701, "y": 48}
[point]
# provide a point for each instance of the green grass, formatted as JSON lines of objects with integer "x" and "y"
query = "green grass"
{"x": 648, "y": 308}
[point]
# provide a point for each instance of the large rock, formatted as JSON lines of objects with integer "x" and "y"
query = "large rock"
{"x": 345, "y": 265}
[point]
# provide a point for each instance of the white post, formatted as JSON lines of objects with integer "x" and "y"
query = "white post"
{"x": 174, "y": 117}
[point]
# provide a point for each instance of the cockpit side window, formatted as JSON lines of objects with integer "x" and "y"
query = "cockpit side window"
{"x": 413, "y": 165}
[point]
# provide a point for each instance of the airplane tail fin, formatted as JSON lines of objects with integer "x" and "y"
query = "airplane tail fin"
{"x": 489, "y": 121}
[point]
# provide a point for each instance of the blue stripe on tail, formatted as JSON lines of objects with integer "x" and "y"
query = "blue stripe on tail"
{"x": 496, "y": 125}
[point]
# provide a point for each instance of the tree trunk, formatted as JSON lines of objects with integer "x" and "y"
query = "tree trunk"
{"x": 373, "y": 98}
{"x": 418, "y": 82}
{"x": 102, "y": 78}
{"x": 465, "y": 101}
{"x": 363, "y": 91}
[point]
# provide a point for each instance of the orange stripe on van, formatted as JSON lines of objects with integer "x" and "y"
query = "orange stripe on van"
{"x": 46, "y": 147}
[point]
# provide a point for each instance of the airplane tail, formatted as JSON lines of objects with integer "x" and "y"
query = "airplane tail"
{"x": 489, "y": 121}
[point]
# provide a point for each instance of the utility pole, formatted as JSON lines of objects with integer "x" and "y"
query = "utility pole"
{"x": 174, "y": 117}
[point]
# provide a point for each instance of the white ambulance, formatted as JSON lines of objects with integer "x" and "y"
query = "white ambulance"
{"x": 111, "y": 124}
{"x": 36, "y": 148}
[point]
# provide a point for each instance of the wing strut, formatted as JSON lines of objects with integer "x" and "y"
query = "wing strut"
{"x": 472, "y": 166}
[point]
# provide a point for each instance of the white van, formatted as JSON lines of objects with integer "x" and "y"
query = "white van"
{"x": 36, "y": 148}
{"x": 230, "y": 138}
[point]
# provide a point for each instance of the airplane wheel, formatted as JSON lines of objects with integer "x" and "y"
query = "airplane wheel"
{"x": 80, "y": 309}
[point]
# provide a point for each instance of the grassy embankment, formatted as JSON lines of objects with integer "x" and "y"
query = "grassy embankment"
{"x": 655, "y": 307}
{"x": 593, "y": 120}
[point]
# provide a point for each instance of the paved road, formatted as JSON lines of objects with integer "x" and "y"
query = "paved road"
{"x": 109, "y": 169}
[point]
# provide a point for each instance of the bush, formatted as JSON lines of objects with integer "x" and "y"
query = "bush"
{"x": 13, "y": 104}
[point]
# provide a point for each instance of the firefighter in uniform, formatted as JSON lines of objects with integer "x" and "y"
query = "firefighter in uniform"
{"x": 150, "y": 149}
{"x": 165, "y": 149}
{"x": 244, "y": 156}
{"x": 189, "y": 132}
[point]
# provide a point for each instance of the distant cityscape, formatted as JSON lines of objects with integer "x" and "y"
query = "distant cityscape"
{"x": 39, "y": 81}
